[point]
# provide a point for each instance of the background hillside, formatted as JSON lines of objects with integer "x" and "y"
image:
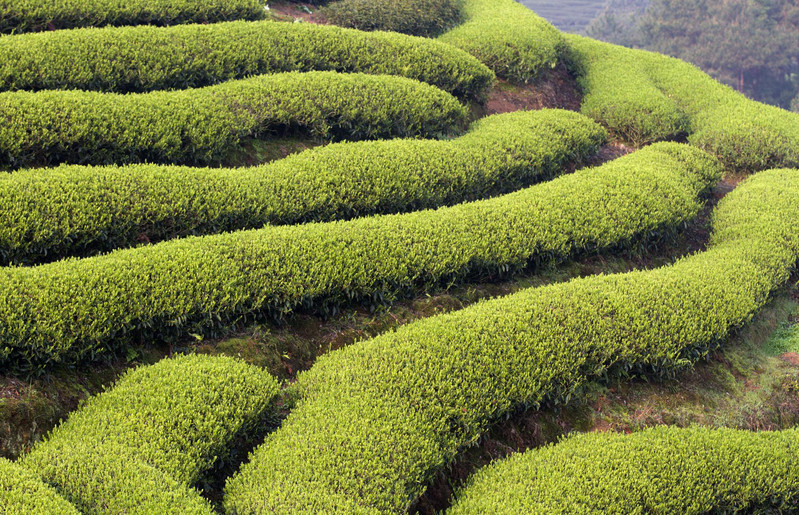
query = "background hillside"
{"x": 568, "y": 15}
{"x": 581, "y": 16}
{"x": 750, "y": 45}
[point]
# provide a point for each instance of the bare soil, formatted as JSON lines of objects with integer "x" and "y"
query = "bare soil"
{"x": 555, "y": 89}
{"x": 297, "y": 11}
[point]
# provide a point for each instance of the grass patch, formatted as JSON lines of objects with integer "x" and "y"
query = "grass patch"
{"x": 786, "y": 338}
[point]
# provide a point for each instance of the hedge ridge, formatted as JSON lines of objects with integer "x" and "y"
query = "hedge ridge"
{"x": 662, "y": 470}
{"x": 141, "y": 445}
{"x": 199, "y": 126}
{"x": 23, "y": 493}
{"x": 74, "y": 309}
{"x": 107, "y": 479}
{"x": 417, "y": 17}
{"x": 146, "y": 58}
{"x": 644, "y": 97}
{"x": 509, "y": 38}
{"x": 377, "y": 419}
{"x": 36, "y": 15}
{"x": 77, "y": 210}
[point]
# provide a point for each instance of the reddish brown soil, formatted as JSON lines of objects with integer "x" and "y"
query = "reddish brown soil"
{"x": 555, "y": 89}
{"x": 12, "y": 389}
{"x": 609, "y": 152}
{"x": 792, "y": 358}
{"x": 297, "y": 11}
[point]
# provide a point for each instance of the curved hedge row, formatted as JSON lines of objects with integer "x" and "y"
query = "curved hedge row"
{"x": 139, "y": 59}
{"x": 201, "y": 125}
{"x": 377, "y": 419}
{"x": 23, "y": 493}
{"x": 36, "y": 15}
{"x": 79, "y": 210}
{"x": 139, "y": 447}
{"x": 418, "y": 17}
{"x": 508, "y": 37}
{"x": 660, "y": 470}
{"x": 644, "y": 97}
{"x": 76, "y": 308}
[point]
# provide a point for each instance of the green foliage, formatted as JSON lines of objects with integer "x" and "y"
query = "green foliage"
{"x": 139, "y": 447}
{"x": 752, "y": 45}
{"x": 200, "y": 125}
{"x": 36, "y": 15}
{"x": 754, "y": 248}
{"x": 23, "y": 493}
{"x": 620, "y": 93}
{"x": 417, "y": 17}
{"x": 784, "y": 340}
{"x": 643, "y": 97}
{"x": 660, "y": 470}
{"x": 377, "y": 419}
{"x": 749, "y": 44}
{"x": 107, "y": 479}
{"x": 72, "y": 210}
{"x": 137, "y": 59}
{"x": 509, "y": 38}
{"x": 77, "y": 309}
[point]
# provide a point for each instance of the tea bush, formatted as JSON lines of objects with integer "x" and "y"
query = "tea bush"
{"x": 643, "y": 97}
{"x": 23, "y": 493}
{"x": 417, "y": 17}
{"x": 376, "y": 420}
{"x": 140, "y": 446}
{"x": 509, "y": 38}
{"x": 34, "y": 15}
{"x": 661, "y": 470}
{"x": 76, "y": 210}
{"x": 76, "y": 309}
{"x": 201, "y": 125}
{"x": 145, "y": 58}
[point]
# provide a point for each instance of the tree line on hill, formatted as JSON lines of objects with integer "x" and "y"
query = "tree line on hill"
{"x": 751, "y": 45}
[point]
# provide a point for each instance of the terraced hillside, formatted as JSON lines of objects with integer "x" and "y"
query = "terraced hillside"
{"x": 567, "y": 15}
{"x": 255, "y": 265}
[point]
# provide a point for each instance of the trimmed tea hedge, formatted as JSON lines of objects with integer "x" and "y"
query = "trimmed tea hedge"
{"x": 77, "y": 210}
{"x": 139, "y": 59}
{"x": 107, "y": 479}
{"x": 140, "y": 446}
{"x": 660, "y": 470}
{"x": 23, "y": 493}
{"x": 644, "y": 97}
{"x": 418, "y": 17}
{"x": 376, "y": 420}
{"x": 509, "y": 38}
{"x": 201, "y": 125}
{"x": 35, "y": 15}
{"x": 77, "y": 308}
{"x": 621, "y": 95}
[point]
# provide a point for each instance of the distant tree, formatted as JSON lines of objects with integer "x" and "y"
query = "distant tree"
{"x": 618, "y": 22}
{"x": 753, "y": 45}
